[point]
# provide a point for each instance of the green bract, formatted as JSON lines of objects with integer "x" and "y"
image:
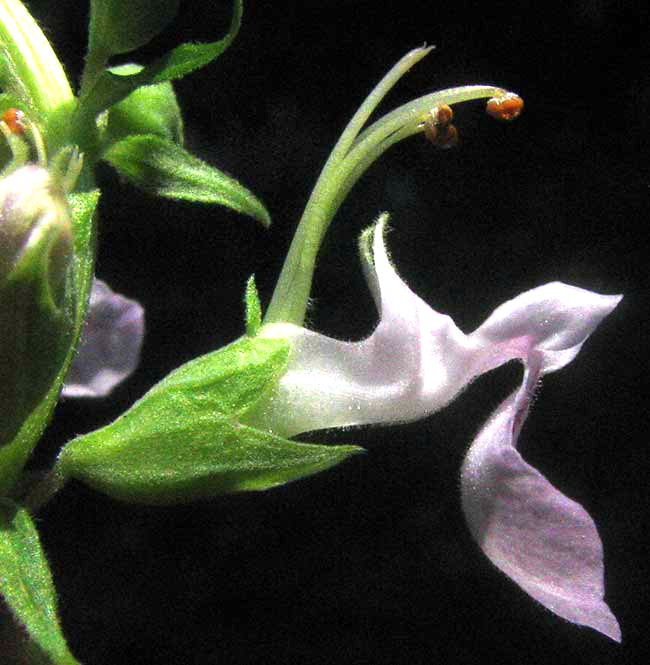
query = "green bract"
{"x": 162, "y": 167}
{"x": 102, "y": 88}
{"x": 119, "y": 26}
{"x": 183, "y": 440}
{"x": 26, "y": 583}
{"x": 151, "y": 109}
{"x": 141, "y": 133}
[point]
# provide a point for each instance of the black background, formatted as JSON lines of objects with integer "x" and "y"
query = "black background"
{"x": 371, "y": 562}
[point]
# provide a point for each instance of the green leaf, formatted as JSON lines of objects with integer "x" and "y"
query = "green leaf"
{"x": 151, "y": 109}
{"x": 26, "y": 582}
{"x": 164, "y": 168}
{"x": 253, "y": 308}
{"x": 110, "y": 87}
{"x": 183, "y": 441}
{"x": 118, "y": 26}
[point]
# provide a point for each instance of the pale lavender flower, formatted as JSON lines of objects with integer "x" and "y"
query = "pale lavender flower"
{"x": 414, "y": 363}
{"x": 110, "y": 344}
{"x": 544, "y": 541}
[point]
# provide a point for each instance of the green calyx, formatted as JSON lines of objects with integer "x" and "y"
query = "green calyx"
{"x": 150, "y": 109}
{"x": 48, "y": 329}
{"x": 184, "y": 439}
{"x": 36, "y": 294}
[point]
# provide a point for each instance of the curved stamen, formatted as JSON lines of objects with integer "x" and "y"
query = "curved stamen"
{"x": 354, "y": 152}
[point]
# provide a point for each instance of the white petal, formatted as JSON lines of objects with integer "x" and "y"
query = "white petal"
{"x": 110, "y": 345}
{"x": 417, "y": 360}
{"x": 544, "y": 541}
{"x": 414, "y": 363}
{"x": 555, "y": 318}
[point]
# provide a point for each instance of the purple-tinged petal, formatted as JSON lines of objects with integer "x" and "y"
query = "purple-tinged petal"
{"x": 555, "y": 318}
{"x": 544, "y": 541}
{"x": 110, "y": 344}
{"x": 416, "y": 360}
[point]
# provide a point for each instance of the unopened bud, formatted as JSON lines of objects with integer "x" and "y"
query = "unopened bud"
{"x": 36, "y": 298}
{"x": 35, "y": 226}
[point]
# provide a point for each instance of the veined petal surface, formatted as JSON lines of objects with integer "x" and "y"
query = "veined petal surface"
{"x": 544, "y": 541}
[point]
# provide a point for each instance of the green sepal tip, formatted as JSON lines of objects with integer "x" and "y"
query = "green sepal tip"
{"x": 103, "y": 88}
{"x": 26, "y": 583}
{"x": 253, "y": 308}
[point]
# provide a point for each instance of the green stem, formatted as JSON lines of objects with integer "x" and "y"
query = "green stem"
{"x": 96, "y": 61}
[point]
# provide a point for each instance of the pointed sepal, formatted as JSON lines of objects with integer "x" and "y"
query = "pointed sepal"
{"x": 110, "y": 87}
{"x": 26, "y": 583}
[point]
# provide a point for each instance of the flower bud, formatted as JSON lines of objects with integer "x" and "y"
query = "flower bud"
{"x": 36, "y": 299}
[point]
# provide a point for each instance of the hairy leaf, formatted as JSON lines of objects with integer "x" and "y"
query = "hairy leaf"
{"x": 166, "y": 169}
{"x": 26, "y": 582}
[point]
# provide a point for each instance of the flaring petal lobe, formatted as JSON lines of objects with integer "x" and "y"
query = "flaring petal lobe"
{"x": 544, "y": 541}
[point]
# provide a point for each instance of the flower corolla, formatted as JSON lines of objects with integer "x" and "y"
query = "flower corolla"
{"x": 414, "y": 363}
{"x": 109, "y": 349}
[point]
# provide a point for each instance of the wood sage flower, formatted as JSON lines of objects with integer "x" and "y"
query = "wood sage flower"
{"x": 414, "y": 363}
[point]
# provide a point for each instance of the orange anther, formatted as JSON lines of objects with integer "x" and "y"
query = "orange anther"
{"x": 505, "y": 107}
{"x": 442, "y": 137}
{"x": 438, "y": 128}
{"x": 442, "y": 115}
{"x": 14, "y": 119}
